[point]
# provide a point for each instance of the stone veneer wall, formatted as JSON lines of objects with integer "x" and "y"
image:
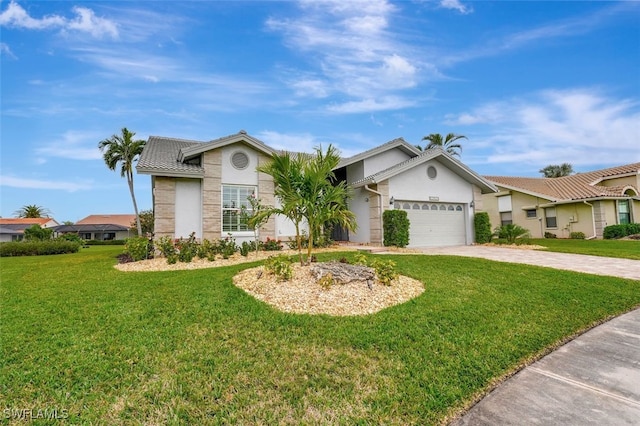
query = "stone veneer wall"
{"x": 265, "y": 194}
{"x": 211, "y": 195}
{"x": 164, "y": 193}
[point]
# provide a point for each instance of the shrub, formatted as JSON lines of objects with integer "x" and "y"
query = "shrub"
{"x": 622, "y": 230}
{"x": 71, "y": 237}
{"x": 37, "y": 233}
{"x": 104, "y": 242}
{"x": 208, "y": 250}
{"x": 228, "y": 247}
{"x": 165, "y": 247}
{"x": 246, "y": 247}
{"x": 187, "y": 248}
{"x": 550, "y": 235}
{"x": 37, "y": 248}
{"x": 280, "y": 266}
{"x": 395, "y": 228}
{"x": 326, "y": 281}
{"x": 385, "y": 271}
{"x": 577, "y": 235}
{"x": 138, "y": 248}
{"x": 511, "y": 232}
{"x": 482, "y": 225}
{"x": 272, "y": 245}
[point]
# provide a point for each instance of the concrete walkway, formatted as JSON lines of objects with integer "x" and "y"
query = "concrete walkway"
{"x": 592, "y": 380}
{"x": 623, "y": 268}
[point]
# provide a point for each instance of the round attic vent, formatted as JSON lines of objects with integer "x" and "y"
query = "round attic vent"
{"x": 240, "y": 160}
{"x": 432, "y": 172}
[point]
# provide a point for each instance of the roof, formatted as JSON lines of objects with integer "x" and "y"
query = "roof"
{"x": 396, "y": 143}
{"x": 26, "y": 221}
{"x": 430, "y": 154}
{"x": 580, "y": 186}
{"x": 10, "y": 230}
{"x": 113, "y": 219}
{"x": 90, "y": 228}
{"x": 163, "y": 156}
{"x": 160, "y": 157}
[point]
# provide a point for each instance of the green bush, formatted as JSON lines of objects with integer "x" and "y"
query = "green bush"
{"x": 577, "y": 235}
{"x": 71, "y": 237}
{"x": 187, "y": 248}
{"x": 138, "y": 248}
{"x": 395, "y": 226}
{"x": 482, "y": 225}
{"x": 272, "y": 245}
{"x": 511, "y": 232}
{"x": 228, "y": 247}
{"x": 37, "y": 233}
{"x": 246, "y": 247}
{"x": 385, "y": 271}
{"x": 550, "y": 235}
{"x": 620, "y": 231}
{"x": 37, "y": 248}
{"x": 280, "y": 266}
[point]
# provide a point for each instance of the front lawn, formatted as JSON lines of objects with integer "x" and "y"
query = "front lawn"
{"x": 627, "y": 249}
{"x": 188, "y": 347}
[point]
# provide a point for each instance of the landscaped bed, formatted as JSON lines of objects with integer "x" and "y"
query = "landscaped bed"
{"x": 190, "y": 347}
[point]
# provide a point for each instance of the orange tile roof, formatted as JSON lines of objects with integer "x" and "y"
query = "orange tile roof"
{"x": 25, "y": 221}
{"x": 108, "y": 219}
{"x": 574, "y": 187}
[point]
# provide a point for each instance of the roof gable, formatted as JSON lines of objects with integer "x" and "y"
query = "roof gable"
{"x": 434, "y": 153}
{"x": 397, "y": 143}
{"x": 580, "y": 186}
{"x": 124, "y": 220}
{"x": 242, "y": 136}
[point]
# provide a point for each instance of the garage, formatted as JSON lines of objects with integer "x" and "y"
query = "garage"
{"x": 434, "y": 224}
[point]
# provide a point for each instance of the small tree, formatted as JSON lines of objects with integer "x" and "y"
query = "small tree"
{"x": 255, "y": 219}
{"x": 482, "y": 225}
{"x": 395, "y": 224}
{"x": 555, "y": 171}
{"x": 32, "y": 211}
{"x": 37, "y": 233}
{"x": 146, "y": 222}
{"x": 511, "y": 232}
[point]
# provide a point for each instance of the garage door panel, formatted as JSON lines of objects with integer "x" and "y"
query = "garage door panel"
{"x": 434, "y": 224}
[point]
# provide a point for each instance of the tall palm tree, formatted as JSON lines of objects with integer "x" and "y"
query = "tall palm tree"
{"x": 448, "y": 143}
{"x": 124, "y": 150}
{"x": 32, "y": 211}
{"x": 554, "y": 170}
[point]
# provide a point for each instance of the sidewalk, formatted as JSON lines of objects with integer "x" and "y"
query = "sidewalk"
{"x": 592, "y": 380}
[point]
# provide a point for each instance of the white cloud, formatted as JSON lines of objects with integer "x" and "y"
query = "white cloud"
{"x": 85, "y": 21}
{"x": 295, "y": 142}
{"x": 5, "y": 50}
{"x": 74, "y": 145}
{"x": 456, "y": 5}
{"x": 385, "y": 103}
{"x": 580, "y": 126}
{"x": 19, "y": 182}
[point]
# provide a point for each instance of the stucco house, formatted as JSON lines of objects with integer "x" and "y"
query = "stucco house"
{"x": 102, "y": 227}
{"x": 12, "y": 229}
{"x": 201, "y": 186}
{"x": 583, "y": 202}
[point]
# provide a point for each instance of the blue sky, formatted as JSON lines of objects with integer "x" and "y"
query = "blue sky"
{"x": 529, "y": 83}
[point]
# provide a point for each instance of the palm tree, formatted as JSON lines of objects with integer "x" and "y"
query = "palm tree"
{"x": 303, "y": 184}
{"x": 555, "y": 171}
{"x": 124, "y": 150}
{"x": 32, "y": 211}
{"x": 448, "y": 143}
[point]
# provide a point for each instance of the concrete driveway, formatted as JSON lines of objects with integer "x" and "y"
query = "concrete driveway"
{"x": 623, "y": 268}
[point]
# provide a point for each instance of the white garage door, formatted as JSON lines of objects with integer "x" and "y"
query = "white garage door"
{"x": 434, "y": 224}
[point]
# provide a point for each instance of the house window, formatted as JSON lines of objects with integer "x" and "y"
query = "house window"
{"x": 624, "y": 213}
{"x": 531, "y": 213}
{"x": 506, "y": 218}
{"x": 234, "y": 201}
{"x": 550, "y": 217}
{"x": 85, "y": 235}
{"x": 105, "y": 236}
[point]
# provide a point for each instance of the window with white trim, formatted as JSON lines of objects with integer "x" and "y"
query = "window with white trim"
{"x": 550, "y": 217}
{"x": 531, "y": 213}
{"x": 234, "y": 201}
{"x": 624, "y": 213}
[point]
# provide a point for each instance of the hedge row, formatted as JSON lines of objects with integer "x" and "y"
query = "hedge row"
{"x": 104, "y": 242}
{"x": 37, "y": 248}
{"x": 619, "y": 231}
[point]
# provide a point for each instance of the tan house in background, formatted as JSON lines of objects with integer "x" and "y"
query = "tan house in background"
{"x": 583, "y": 202}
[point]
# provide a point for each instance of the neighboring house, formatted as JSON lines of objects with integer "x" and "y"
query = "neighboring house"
{"x": 583, "y": 202}
{"x": 103, "y": 227}
{"x": 12, "y": 229}
{"x": 201, "y": 187}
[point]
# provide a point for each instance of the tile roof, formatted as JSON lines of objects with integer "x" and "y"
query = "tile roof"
{"x": 160, "y": 156}
{"x": 112, "y": 219}
{"x": 574, "y": 187}
{"x": 25, "y": 221}
{"x": 91, "y": 228}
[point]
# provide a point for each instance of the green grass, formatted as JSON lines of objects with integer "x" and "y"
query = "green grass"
{"x": 627, "y": 249}
{"x": 188, "y": 347}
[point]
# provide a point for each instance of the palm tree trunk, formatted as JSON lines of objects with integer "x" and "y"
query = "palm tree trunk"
{"x": 135, "y": 205}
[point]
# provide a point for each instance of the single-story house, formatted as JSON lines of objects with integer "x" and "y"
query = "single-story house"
{"x": 201, "y": 186}
{"x": 583, "y": 202}
{"x": 12, "y": 229}
{"x": 103, "y": 227}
